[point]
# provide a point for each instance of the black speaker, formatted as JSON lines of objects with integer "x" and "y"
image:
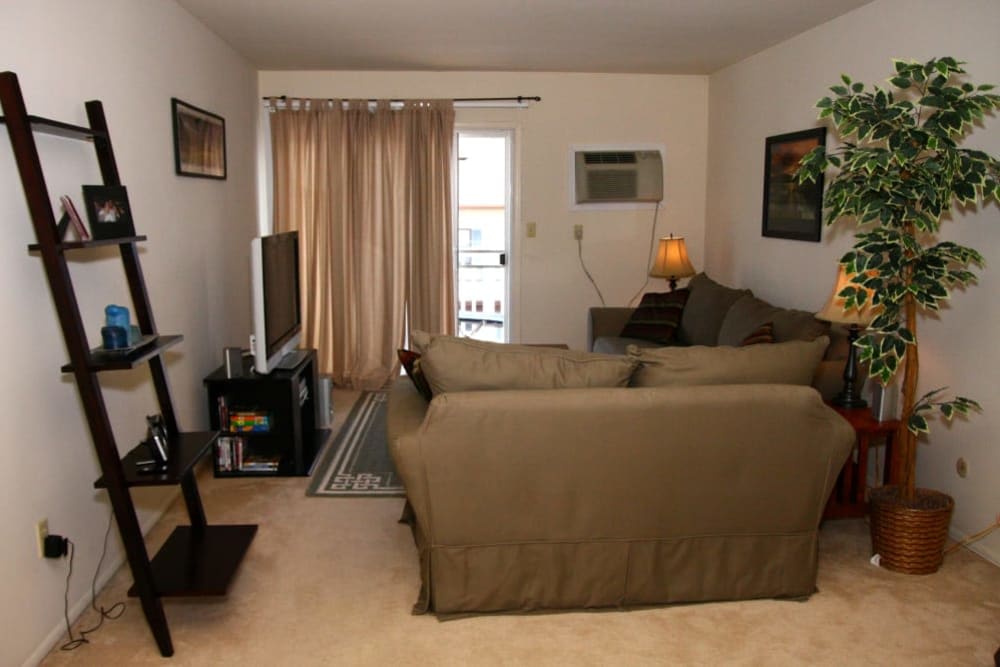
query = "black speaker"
{"x": 234, "y": 362}
{"x": 325, "y": 399}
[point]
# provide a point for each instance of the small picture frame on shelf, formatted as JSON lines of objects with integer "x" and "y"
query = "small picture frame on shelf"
{"x": 74, "y": 218}
{"x": 108, "y": 210}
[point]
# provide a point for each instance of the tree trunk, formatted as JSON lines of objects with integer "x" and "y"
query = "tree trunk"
{"x": 906, "y": 439}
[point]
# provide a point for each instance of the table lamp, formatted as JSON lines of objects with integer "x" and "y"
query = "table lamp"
{"x": 672, "y": 261}
{"x": 856, "y": 319}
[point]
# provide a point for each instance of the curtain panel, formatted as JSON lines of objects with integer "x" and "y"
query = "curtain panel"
{"x": 369, "y": 190}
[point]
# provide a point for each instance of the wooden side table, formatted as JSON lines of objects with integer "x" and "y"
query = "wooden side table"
{"x": 847, "y": 500}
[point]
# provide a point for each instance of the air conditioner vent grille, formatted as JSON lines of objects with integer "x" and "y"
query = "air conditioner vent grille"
{"x": 608, "y": 185}
{"x": 610, "y": 157}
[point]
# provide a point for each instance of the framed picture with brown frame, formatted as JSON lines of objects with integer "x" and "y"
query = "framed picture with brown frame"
{"x": 199, "y": 141}
{"x": 792, "y": 210}
{"x": 108, "y": 211}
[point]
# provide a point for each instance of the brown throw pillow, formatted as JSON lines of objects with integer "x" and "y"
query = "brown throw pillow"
{"x": 762, "y": 334}
{"x": 657, "y": 317}
{"x": 411, "y": 364}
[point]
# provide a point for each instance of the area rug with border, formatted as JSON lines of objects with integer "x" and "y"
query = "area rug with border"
{"x": 356, "y": 462}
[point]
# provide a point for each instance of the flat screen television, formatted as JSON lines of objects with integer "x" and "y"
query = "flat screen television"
{"x": 277, "y": 318}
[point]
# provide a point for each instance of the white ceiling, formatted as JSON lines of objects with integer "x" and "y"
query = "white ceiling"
{"x": 643, "y": 36}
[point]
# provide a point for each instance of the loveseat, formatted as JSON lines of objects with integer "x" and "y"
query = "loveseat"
{"x": 570, "y": 489}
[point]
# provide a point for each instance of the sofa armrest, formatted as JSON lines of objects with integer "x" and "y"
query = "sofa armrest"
{"x": 606, "y": 321}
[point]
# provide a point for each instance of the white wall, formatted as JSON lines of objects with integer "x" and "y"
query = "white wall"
{"x": 551, "y": 294}
{"x": 134, "y": 56}
{"x": 775, "y": 92}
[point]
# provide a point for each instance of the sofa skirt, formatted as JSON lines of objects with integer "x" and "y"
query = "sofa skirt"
{"x": 526, "y": 577}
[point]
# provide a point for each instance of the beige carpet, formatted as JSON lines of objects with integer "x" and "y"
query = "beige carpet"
{"x": 330, "y": 581}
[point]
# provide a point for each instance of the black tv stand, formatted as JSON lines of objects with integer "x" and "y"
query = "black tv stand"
{"x": 269, "y": 423}
{"x": 291, "y": 360}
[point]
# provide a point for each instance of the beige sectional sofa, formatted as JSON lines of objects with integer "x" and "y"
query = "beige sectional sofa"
{"x": 539, "y": 479}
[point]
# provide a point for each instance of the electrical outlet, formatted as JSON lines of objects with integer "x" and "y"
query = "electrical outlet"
{"x": 578, "y": 232}
{"x": 41, "y": 532}
{"x": 962, "y": 468}
{"x": 531, "y": 230}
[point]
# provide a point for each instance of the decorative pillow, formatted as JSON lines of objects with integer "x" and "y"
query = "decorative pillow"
{"x": 705, "y": 309}
{"x": 762, "y": 334}
{"x": 793, "y": 362}
{"x": 462, "y": 364}
{"x": 657, "y": 317}
{"x": 411, "y": 364}
{"x": 749, "y": 312}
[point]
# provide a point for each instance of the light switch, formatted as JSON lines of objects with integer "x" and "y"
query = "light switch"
{"x": 530, "y": 228}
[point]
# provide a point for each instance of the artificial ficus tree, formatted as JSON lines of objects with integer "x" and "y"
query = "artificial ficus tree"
{"x": 902, "y": 174}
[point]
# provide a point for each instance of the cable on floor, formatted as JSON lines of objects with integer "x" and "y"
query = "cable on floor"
{"x": 115, "y": 611}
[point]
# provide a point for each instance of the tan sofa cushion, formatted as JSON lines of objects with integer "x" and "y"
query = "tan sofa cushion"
{"x": 705, "y": 309}
{"x": 747, "y": 313}
{"x": 419, "y": 340}
{"x": 462, "y": 364}
{"x": 793, "y": 362}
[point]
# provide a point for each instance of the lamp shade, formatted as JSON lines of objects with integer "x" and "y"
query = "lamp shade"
{"x": 672, "y": 259}
{"x": 834, "y": 311}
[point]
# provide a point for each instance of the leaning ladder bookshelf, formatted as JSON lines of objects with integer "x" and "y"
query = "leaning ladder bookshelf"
{"x": 198, "y": 559}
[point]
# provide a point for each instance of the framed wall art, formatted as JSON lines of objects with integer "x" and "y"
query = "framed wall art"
{"x": 199, "y": 141}
{"x": 792, "y": 210}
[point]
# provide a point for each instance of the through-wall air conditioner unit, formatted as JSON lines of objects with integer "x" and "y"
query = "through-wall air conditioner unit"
{"x": 609, "y": 176}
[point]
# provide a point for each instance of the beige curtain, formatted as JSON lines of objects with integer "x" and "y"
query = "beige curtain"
{"x": 369, "y": 191}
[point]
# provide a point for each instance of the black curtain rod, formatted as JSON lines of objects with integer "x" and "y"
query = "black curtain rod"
{"x": 519, "y": 99}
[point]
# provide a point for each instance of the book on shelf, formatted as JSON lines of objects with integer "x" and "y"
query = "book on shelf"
{"x": 223, "y": 409}
{"x": 229, "y": 453}
{"x": 249, "y": 421}
{"x": 260, "y": 464}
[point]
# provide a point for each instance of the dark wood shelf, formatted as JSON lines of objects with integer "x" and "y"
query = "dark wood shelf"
{"x": 93, "y": 243}
{"x": 100, "y": 360}
{"x": 185, "y": 449}
{"x": 199, "y": 561}
{"x": 60, "y": 129}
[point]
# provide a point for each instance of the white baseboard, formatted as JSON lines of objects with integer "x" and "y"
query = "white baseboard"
{"x": 978, "y": 548}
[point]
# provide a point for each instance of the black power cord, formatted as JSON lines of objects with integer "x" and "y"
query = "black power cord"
{"x": 114, "y": 612}
{"x": 649, "y": 258}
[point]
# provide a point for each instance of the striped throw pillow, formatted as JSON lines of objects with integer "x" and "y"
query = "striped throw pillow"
{"x": 762, "y": 334}
{"x": 657, "y": 317}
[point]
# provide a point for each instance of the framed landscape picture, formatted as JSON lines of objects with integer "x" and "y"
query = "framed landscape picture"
{"x": 108, "y": 211}
{"x": 199, "y": 141}
{"x": 792, "y": 210}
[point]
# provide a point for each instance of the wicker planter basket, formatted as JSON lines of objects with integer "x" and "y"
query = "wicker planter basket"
{"x": 910, "y": 537}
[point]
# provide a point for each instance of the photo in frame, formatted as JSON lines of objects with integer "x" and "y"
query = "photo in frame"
{"x": 199, "y": 141}
{"x": 108, "y": 211}
{"x": 792, "y": 210}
